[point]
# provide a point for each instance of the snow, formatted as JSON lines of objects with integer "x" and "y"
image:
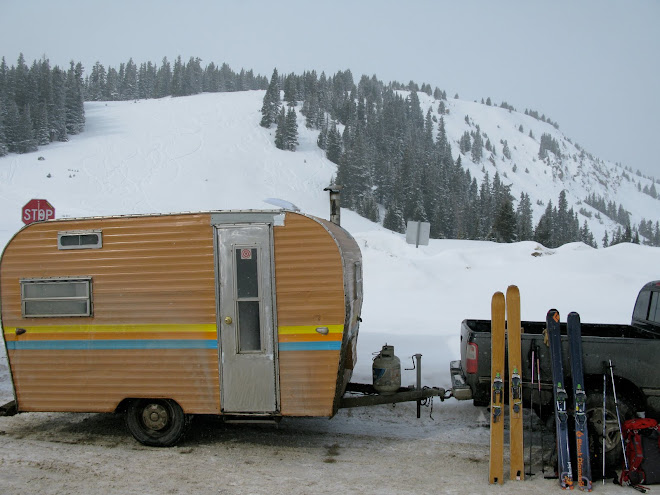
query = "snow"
{"x": 208, "y": 152}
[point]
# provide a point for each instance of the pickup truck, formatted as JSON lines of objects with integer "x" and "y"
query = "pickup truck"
{"x": 634, "y": 350}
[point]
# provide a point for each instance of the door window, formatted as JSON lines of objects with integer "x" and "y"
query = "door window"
{"x": 247, "y": 298}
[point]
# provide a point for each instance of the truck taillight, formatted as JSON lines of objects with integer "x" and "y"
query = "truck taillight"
{"x": 472, "y": 358}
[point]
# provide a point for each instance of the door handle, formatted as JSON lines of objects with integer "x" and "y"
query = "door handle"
{"x": 228, "y": 320}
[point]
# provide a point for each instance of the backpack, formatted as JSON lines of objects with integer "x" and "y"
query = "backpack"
{"x": 642, "y": 441}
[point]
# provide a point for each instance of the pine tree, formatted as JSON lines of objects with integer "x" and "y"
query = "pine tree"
{"x": 394, "y": 219}
{"x": 322, "y": 140}
{"x": 334, "y": 144}
{"x": 477, "y": 146}
{"x": 3, "y": 138}
{"x": 112, "y": 85}
{"x": 42, "y": 128}
{"x": 562, "y": 221}
{"x": 543, "y": 233}
{"x": 504, "y": 224}
{"x": 96, "y": 86}
{"x": 25, "y": 135}
{"x": 163, "y": 79}
{"x": 129, "y": 85}
{"x": 280, "y": 131}
{"x": 524, "y": 220}
{"x": 271, "y": 103}
{"x": 74, "y": 100}
{"x": 505, "y": 150}
{"x": 290, "y": 90}
{"x": 176, "y": 85}
{"x": 58, "y": 114}
{"x": 465, "y": 143}
{"x": 368, "y": 207}
{"x": 12, "y": 135}
{"x": 291, "y": 130}
{"x": 586, "y": 236}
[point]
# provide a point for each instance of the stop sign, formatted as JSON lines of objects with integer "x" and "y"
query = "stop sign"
{"x": 37, "y": 210}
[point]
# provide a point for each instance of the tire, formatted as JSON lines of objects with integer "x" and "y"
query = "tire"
{"x": 613, "y": 449}
{"x": 156, "y": 422}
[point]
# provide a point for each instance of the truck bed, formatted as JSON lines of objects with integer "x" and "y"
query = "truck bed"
{"x": 633, "y": 351}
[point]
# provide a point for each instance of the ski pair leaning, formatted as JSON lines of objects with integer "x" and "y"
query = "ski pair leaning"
{"x": 564, "y": 467}
{"x": 505, "y": 319}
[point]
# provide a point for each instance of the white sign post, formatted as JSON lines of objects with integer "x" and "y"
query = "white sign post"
{"x": 417, "y": 233}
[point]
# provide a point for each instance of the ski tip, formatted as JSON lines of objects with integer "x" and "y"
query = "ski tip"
{"x": 512, "y": 289}
{"x": 497, "y": 302}
{"x": 553, "y": 314}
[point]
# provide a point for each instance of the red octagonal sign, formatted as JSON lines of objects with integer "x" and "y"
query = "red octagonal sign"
{"x": 37, "y": 210}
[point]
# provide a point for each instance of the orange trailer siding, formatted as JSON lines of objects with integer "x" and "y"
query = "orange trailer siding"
{"x": 310, "y": 293}
{"x": 152, "y": 282}
{"x": 153, "y": 330}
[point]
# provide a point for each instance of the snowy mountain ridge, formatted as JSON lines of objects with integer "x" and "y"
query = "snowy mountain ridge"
{"x": 576, "y": 171}
{"x": 206, "y": 151}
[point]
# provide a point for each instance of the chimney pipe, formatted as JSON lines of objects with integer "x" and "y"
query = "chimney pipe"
{"x": 335, "y": 204}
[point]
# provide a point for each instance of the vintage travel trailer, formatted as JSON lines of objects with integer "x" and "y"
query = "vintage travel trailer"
{"x": 251, "y": 315}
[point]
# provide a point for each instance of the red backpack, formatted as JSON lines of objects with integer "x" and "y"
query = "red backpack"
{"x": 642, "y": 440}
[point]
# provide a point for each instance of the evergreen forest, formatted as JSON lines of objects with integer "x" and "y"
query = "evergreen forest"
{"x": 394, "y": 161}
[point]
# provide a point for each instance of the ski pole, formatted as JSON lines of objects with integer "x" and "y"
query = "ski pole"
{"x": 618, "y": 418}
{"x": 538, "y": 379}
{"x": 604, "y": 419}
{"x": 531, "y": 411}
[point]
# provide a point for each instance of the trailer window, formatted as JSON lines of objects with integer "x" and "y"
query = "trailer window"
{"x": 45, "y": 298}
{"x": 358, "y": 280}
{"x": 248, "y": 299}
{"x": 83, "y": 239}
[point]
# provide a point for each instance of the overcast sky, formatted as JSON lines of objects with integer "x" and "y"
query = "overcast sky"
{"x": 590, "y": 65}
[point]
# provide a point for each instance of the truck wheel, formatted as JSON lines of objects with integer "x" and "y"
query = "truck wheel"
{"x": 613, "y": 450}
{"x": 156, "y": 422}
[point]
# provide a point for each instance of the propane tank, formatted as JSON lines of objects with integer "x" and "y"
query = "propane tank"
{"x": 386, "y": 371}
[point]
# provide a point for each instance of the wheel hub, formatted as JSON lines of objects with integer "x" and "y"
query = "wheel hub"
{"x": 155, "y": 417}
{"x": 611, "y": 428}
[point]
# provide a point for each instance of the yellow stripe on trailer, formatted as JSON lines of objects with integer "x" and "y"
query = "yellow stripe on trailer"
{"x": 310, "y": 330}
{"x": 193, "y": 331}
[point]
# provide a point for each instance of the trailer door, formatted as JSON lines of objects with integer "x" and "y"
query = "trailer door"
{"x": 246, "y": 322}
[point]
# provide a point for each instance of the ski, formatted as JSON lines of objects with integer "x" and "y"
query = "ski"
{"x": 517, "y": 463}
{"x": 583, "y": 468}
{"x": 564, "y": 470}
{"x": 496, "y": 462}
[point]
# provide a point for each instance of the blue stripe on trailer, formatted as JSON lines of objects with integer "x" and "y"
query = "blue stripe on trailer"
{"x": 310, "y": 346}
{"x": 79, "y": 345}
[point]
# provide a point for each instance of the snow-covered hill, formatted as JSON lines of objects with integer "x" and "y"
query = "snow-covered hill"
{"x": 208, "y": 152}
{"x": 204, "y": 151}
{"x": 577, "y": 171}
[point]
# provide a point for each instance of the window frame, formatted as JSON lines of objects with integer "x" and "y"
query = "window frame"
{"x": 87, "y": 298}
{"x": 242, "y": 333}
{"x": 80, "y": 234}
{"x": 358, "y": 280}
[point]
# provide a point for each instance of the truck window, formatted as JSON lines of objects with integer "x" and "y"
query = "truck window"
{"x": 43, "y": 298}
{"x": 642, "y": 305}
{"x": 654, "y": 311}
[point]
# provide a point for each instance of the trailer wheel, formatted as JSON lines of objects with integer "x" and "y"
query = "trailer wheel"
{"x": 156, "y": 422}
